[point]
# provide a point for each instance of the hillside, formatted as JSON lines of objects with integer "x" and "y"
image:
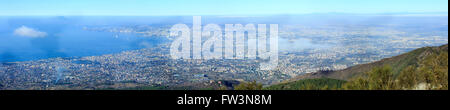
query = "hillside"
{"x": 309, "y": 84}
{"x": 399, "y": 63}
{"x": 421, "y": 69}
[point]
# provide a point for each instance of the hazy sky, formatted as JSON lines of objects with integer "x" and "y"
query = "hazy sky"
{"x": 214, "y": 7}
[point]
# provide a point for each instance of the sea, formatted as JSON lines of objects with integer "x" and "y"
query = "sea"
{"x": 66, "y": 37}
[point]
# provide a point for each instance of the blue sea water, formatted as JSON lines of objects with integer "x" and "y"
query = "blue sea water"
{"x": 65, "y": 38}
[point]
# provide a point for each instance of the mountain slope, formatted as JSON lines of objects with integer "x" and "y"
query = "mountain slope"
{"x": 309, "y": 84}
{"x": 398, "y": 63}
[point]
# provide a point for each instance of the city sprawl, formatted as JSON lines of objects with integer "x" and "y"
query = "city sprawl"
{"x": 333, "y": 47}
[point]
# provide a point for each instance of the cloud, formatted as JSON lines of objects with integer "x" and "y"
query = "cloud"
{"x": 29, "y": 32}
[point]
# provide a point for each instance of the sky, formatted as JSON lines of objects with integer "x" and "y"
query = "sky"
{"x": 214, "y": 7}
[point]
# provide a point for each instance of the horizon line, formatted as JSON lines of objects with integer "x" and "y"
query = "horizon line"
{"x": 279, "y": 14}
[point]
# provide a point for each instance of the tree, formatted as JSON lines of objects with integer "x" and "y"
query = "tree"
{"x": 434, "y": 70}
{"x": 408, "y": 78}
{"x": 249, "y": 86}
{"x": 381, "y": 78}
{"x": 358, "y": 83}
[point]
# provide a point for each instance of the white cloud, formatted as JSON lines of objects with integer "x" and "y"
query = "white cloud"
{"x": 29, "y": 32}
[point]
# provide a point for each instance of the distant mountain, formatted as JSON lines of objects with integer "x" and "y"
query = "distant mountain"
{"x": 398, "y": 64}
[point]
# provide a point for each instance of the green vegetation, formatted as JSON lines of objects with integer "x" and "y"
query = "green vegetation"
{"x": 309, "y": 84}
{"x": 421, "y": 69}
{"x": 380, "y": 78}
{"x": 431, "y": 73}
{"x": 398, "y": 64}
{"x": 249, "y": 86}
{"x": 408, "y": 78}
{"x": 434, "y": 71}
